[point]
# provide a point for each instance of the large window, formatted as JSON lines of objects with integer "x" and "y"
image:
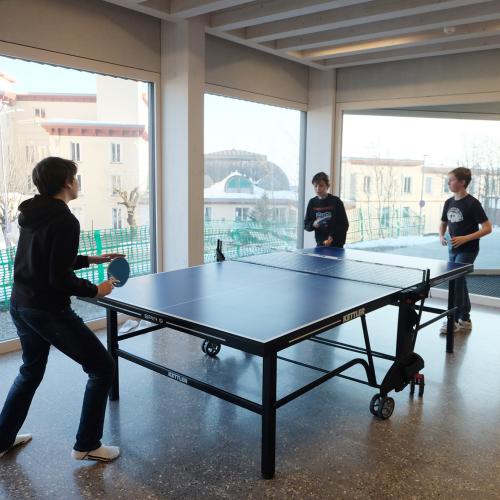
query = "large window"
{"x": 408, "y": 159}
{"x": 251, "y": 176}
{"x": 102, "y": 123}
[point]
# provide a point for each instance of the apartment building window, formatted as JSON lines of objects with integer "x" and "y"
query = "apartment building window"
{"x": 39, "y": 112}
{"x": 116, "y": 218}
{"x": 116, "y": 152}
{"x": 446, "y": 188}
{"x": 407, "y": 185}
{"x": 208, "y": 213}
{"x": 428, "y": 185}
{"x": 79, "y": 181}
{"x": 406, "y": 212}
{"x": 75, "y": 151}
{"x": 367, "y": 184}
{"x": 241, "y": 213}
{"x": 116, "y": 184}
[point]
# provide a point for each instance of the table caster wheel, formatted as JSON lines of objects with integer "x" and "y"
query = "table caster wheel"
{"x": 381, "y": 406}
{"x": 210, "y": 348}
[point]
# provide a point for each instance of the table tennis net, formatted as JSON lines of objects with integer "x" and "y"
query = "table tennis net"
{"x": 348, "y": 269}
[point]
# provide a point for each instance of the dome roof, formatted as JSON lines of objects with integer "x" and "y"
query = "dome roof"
{"x": 256, "y": 167}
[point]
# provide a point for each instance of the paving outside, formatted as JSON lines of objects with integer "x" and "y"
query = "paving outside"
{"x": 430, "y": 247}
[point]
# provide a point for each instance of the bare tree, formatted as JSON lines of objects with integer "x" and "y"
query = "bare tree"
{"x": 483, "y": 158}
{"x": 14, "y": 183}
{"x": 129, "y": 201}
{"x": 387, "y": 189}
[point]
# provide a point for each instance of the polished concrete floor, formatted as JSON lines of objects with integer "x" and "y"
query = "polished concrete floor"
{"x": 180, "y": 443}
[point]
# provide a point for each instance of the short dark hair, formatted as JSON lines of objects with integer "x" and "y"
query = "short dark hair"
{"x": 462, "y": 174}
{"x": 52, "y": 173}
{"x": 321, "y": 176}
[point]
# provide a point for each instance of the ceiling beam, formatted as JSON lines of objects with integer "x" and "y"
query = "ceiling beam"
{"x": 272, "y": 10}
{"x": 226, "y": 35}
{"x": 369, "y": 12}
{"x": 409, "y": 24}
{"x": 443, "y": 48}
{"x": 191, "y": 8}
{"x": 466, "y": 32}
{"x": 155, "y": 8}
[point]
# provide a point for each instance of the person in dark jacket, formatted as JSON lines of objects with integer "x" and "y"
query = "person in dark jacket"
{"x": 44, "y": 281}
{"x": 325, "y": 215}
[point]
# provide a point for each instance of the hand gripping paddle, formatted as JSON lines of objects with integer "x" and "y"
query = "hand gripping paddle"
{"x": 119, "y": 271}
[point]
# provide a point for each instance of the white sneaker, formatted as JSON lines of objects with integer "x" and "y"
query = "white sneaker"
{"x": 20, "y": 440}
{"x": 103, "y": 454}
{"x": 444, "y": 327}
{"x": 465, "y": 325}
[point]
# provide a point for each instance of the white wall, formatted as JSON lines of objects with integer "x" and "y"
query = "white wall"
{"x": 90, "y": 29}
{"x": 432, "y": 79}
{"x": 235, "y": 67}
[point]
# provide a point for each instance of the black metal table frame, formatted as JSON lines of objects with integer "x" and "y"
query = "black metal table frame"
{"x": 407, "y": 330}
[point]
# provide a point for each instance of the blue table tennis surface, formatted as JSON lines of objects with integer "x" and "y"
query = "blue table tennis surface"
{"x": 254, "y": 300}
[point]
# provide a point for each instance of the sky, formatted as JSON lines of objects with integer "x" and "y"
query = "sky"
{"x": 259, "y": 128}
{"x": 36, "y": 77}
{"x": 437, "y": 141}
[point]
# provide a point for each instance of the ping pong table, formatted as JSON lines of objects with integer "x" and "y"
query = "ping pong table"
{"x": 267, "y": 303}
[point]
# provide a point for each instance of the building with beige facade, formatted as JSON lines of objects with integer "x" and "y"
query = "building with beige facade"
{"x": 104, "y": 133}
{"x": 385, "y": 192}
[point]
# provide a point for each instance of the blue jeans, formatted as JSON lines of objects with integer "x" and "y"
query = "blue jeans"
{"x": 66, "y": 331}
{"x": 462, "y": 300}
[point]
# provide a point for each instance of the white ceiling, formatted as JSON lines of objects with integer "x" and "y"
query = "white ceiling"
{"x": 328, "y": 34}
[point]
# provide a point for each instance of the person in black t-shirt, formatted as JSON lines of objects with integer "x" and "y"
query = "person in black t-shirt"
{"x": 44, "y": 281}
{"x": 325, "y": 215}
{"x": 466, "y": 221}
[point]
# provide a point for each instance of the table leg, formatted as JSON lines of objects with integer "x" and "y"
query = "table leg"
{"x": 112, "y": 341}
{"x": 450, "y": 335}
{"x": 268, "y": 415}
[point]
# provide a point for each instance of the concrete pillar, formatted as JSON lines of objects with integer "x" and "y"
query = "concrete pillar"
{"x": 182, "y": 95}
{"x": 320, "y": 134}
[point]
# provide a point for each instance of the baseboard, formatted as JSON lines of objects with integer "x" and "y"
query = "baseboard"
{"x": 10, "y": 345}
{"x": 480, "y": 300}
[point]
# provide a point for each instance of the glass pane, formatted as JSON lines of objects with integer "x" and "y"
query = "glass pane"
{"x": 406, "y": 161}
{"x": 251, "y": 177}
{"x": 100, "y": 122}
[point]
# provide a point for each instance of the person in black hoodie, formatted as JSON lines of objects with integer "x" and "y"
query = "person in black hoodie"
{"x": 44, "y": 281}
{"x": 325, "y": 215}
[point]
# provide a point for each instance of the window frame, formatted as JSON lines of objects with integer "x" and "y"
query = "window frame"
{"x": 153, "y": 81}
{"x": 75, "y": 151}
{"x": 119, "y": 146}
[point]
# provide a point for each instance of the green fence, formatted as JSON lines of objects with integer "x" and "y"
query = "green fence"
{"x": 239, "y": 239}
{"x": 134, "y": 242}
{"x": 247, "y": 238}
{"x": 366, "y": 228}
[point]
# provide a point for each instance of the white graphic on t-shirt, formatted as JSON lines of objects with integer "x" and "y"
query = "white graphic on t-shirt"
{"x": 455, "y": 215}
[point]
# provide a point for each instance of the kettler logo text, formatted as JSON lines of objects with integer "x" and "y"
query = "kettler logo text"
{"x": 177, "y": 377}
{"x": 353, "y": 315}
